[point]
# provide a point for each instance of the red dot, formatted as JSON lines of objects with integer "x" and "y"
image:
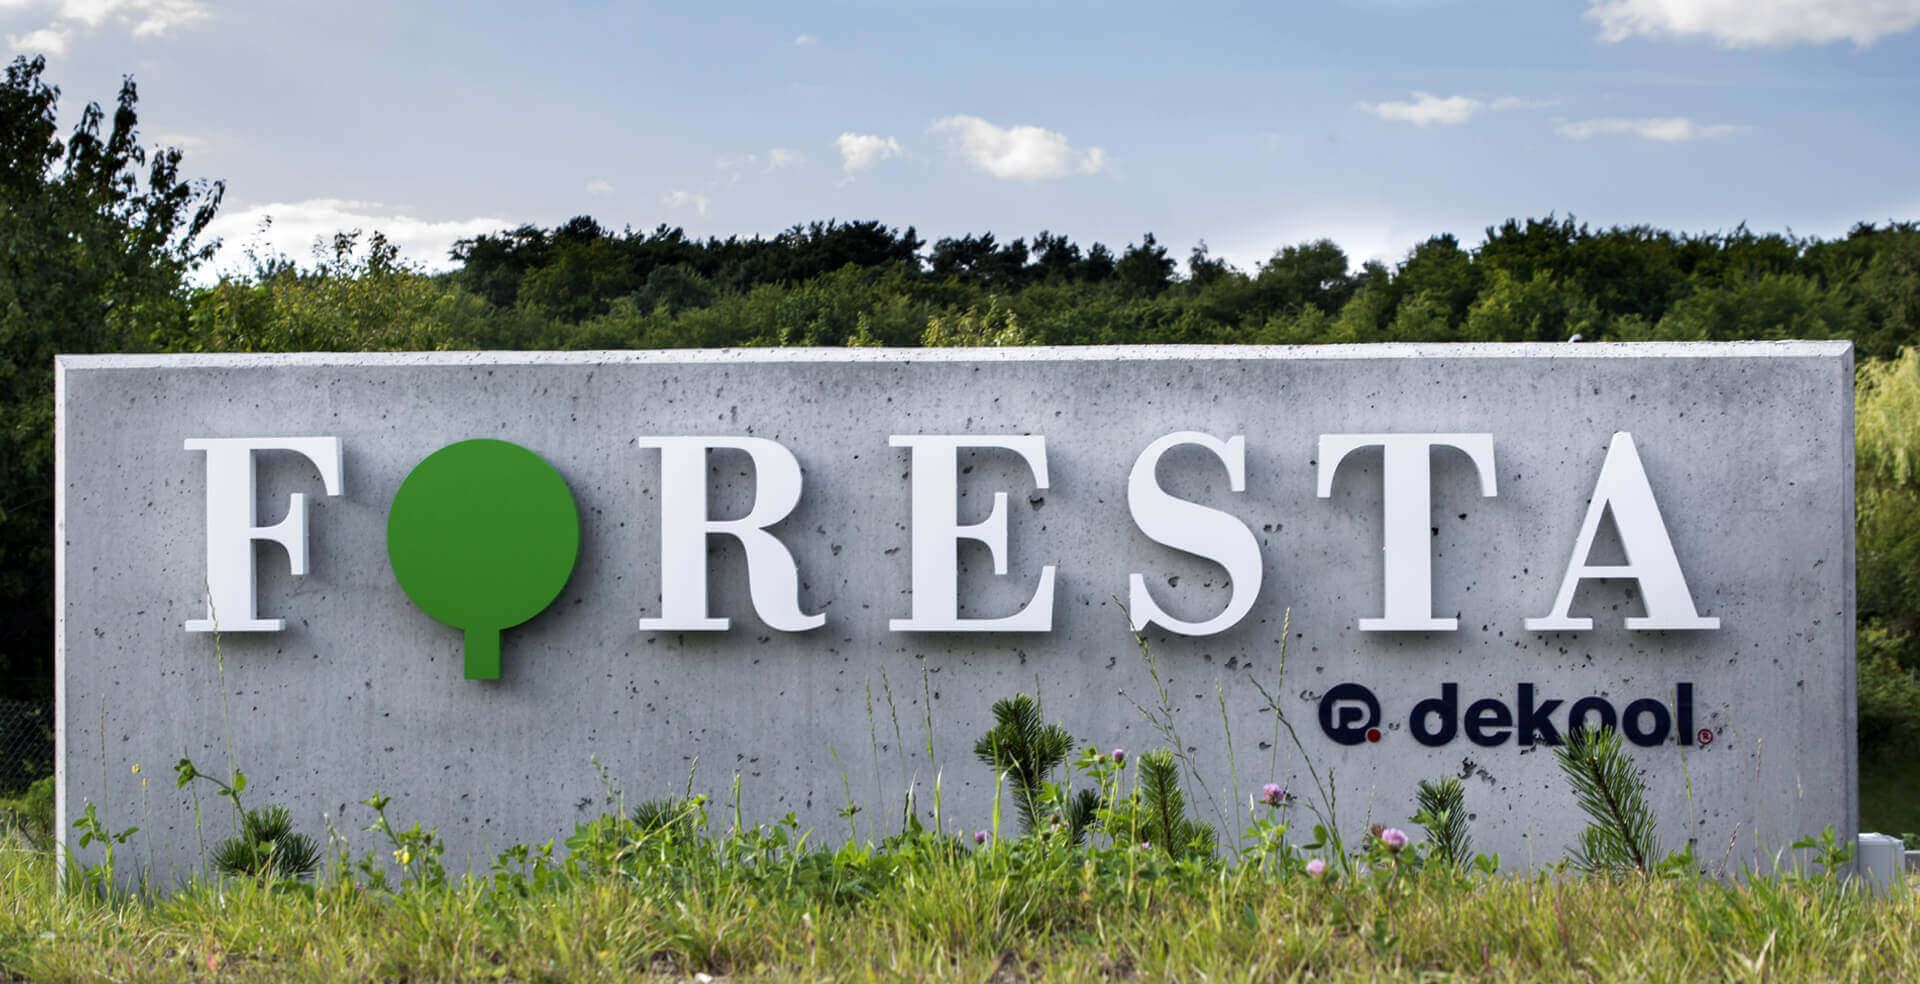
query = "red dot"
{"x": 1373, "y": 734}
{"x": 1705, "y": 736}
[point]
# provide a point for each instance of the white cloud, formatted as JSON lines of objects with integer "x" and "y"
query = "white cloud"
{"x": 805, "y": 41}
{"x": 861, "y": 151}
{"x": 45, "y": 41}
{"x": 679, "y": 198}
{"x": 599, "y": 186}
{"x": 1754, "y": 23}
{"x": 1665, "y": 129}
{"x": 736, "y": 165}
{"x": 1427, "y": 109}
{"x": 291, "y": 229}
{"x": 1019, "y": 153}
{"x": 67, "y": 19}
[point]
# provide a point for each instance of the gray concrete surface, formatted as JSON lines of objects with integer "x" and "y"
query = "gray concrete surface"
{"x": 1748, "y": 447}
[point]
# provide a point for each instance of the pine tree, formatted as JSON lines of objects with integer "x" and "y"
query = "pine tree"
{"x": 1167, "y": 824}
{"x": 1619, "y": 835}
{"x": 1027, "y": 751}
{"x": 1443, "y": 815}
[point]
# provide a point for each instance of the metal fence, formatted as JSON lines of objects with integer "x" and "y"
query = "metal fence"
{"x": 26, "y": 744}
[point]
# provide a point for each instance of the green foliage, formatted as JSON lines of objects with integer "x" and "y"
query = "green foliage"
{"x": 356, "y": 295}
{"x": 1887, "y": 543}
{"x": 1887, "y": 800}
{"x": 1887, "y": 420}
{"x": 1027, "y": 750}
{"x": 184, "y": 773}
{"x": 758, "y": 903}
{"x": 30, "y": 815}
{"x": 672, "y": 817}
{"x": 267, "y": 847}
{"x": 1538, "y": 309}
{"x": 1889, "y": 696}
{"x": 974, "y": 328}
{"x": 1833, "y": 855}
{"x": 1145, "y": 269}
{"x": 1153, "y": 813}
{"x": 1619, "y": 835}
{"x": 1442, "y": 814}
{"x": 1887, "y": 486}
{"x": 96, "y": 234}
{"x": 100, "y": 880}
{"x": 415, "y": 850}
{"x": 580, "y": 285}
{"x": 1772, "y": 306}
{"x": 1163, "y": 808}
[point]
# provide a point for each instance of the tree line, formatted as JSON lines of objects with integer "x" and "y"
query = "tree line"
{"x": 581, "y": 285}
{"x": 1541, "y": 279}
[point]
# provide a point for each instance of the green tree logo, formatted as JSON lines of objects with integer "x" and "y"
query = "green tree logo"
{"x": 482, "y": 535}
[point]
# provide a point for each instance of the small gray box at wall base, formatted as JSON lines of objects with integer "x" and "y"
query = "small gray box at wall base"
{"x": 1748, "y": 448}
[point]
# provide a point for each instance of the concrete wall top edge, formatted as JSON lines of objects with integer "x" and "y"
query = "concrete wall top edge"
{"x": 1140, "y": 353}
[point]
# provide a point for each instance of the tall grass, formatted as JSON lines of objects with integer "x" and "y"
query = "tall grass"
{"x": 925, "y": 907}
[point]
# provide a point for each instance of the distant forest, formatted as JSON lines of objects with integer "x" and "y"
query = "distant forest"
{"x": 582, "y": 285}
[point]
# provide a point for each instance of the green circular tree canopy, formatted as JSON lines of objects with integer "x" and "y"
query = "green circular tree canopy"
{"x": 482, "y": 535}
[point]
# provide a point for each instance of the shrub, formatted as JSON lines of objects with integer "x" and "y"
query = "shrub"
{"x": 1889, "y": 695}
{"x": 267, "y": 847}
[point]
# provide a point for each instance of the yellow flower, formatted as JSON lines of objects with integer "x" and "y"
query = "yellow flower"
{"x": 136, "y": 768}
{"x": 401, "y": 855}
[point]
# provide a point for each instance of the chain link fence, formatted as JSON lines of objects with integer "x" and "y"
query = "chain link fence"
{"x": 26, "y": 744}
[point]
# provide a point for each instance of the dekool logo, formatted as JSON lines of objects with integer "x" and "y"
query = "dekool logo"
{"x": 1350, "y": 714}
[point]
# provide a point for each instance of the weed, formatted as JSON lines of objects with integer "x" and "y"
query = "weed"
{"x": 99, "y": 879}
{"x": 415, "y": 850}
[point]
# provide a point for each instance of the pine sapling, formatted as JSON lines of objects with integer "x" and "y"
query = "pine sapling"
{"x": 1027, "y": 750}
{"x": 1443, "y": 815}
{"x": 1619, "y": 835}
{"x": 1165, "y": 807}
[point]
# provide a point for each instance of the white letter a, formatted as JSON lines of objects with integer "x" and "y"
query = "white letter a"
{"x": 1650, "y": 559}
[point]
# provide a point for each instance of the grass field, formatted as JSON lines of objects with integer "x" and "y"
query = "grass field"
{"x": 653, "y": 900}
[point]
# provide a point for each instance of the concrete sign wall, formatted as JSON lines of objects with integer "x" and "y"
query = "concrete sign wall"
{"x": 465, "y": 579}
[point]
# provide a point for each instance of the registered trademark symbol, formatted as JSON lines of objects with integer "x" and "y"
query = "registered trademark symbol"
{"x": 1373, "y": 734}
{"x": 1705, "y": 736}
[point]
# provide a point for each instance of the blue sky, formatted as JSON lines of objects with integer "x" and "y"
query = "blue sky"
{"x": 1373, "y": 122}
